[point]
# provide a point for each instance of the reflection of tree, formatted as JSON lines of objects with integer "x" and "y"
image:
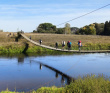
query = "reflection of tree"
{"x": 20, "y": 59}
{"x": 69, "y": 79}
{"x": 40, "y": 66}
{"x": 62, "y": 80}
{"x": 26, "y": 48}
{"x": 56, "y": 75}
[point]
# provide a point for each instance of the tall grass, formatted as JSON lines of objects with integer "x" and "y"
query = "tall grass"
{"x": 36, "y": 49}
{"x": 89, "y": 42}
{"x": 87, "y": 84}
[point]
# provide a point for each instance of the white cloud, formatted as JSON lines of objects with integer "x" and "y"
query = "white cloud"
{"x": 28, "y": 17}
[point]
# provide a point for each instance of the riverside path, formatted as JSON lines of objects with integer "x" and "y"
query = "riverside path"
{"x": 75, "y": 51}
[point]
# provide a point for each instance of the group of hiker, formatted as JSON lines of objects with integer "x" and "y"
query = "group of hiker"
{"x": 69, "y": 44}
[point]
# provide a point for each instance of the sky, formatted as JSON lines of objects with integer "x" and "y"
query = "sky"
{"x": 26, "y": 15}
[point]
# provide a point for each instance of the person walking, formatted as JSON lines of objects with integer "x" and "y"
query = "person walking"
{"x": 56, "y": 45}
{"x": 79, "y": 45}
{"x": 30, "y": 37}
{"x": 69, "y": 45}
{"x": 40, "y": 41}
{"x": 63, "y": 44}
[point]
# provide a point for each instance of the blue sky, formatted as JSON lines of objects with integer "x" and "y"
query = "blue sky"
{"x": 26, "y": 15}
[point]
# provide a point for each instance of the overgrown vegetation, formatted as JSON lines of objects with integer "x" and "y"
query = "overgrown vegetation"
{"x": 8, "y": 44}
{"x": 88, "y": 30}
{"x": 46, "y": 28}
{"x": 95, "y": 29}
{"x": 92, "y": 29}
{"x": 87, "y": 84}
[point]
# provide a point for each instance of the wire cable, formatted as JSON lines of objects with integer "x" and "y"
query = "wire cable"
{"x": 84, "y": 14}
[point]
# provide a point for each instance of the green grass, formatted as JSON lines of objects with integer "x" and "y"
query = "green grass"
{"x": 36, "y": 49}
{"x": 89, "y": 42}
{"x": 87, "y": 84}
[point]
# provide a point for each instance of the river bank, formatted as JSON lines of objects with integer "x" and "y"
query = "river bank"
{"x": 8, "y": 44}
{"x": 88, "y": 84}
{"x": 26, "y": 48}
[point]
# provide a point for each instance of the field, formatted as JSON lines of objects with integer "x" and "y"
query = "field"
{"x": 49, "y": 39}
{"x": 89, "y": 42}
{"x": 7, "y": 40}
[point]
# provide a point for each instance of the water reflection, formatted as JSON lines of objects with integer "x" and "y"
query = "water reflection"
{"x": 40, "y": 66}
{"x": 20, "y": 60}
{"x": 62, "y": 80}
{"x": 64, "y": 76}
{"x": 41, "y": 71}
{"x": 56, "y": 75}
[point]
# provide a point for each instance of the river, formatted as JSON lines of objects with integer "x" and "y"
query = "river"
{"x": 25, "y": 73}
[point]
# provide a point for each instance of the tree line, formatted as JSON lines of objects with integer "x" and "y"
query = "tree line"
{"x": 92, "y": 29}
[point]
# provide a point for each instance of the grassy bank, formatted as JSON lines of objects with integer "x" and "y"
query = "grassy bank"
{"x": 88, "y": 84}
{"x": 12, "y": 49}
{"x": 89, "y": 42}
{"x": 50, "y": 39}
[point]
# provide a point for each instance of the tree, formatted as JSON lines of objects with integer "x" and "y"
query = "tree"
{"x": 67, "y": 28}
{"x": 74, "y": 30}
{"x": 99, "y": 28}
{"x": 60, "y": 31}
{"x": 88, "y": 30}
{"x": 46, "y": 28}
{"x": 107, "y": 28}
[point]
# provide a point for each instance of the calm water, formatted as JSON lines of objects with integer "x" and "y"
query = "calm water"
{"x": 26, "y": 73}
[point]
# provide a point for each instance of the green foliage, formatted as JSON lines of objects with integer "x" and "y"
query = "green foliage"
{"x": 98, "y": 46}
{"x": 11, "y": 49}
{"x": 107, "y": 28}
{"x": 88, "y": 30}
{"x": 99, "y": 28}
{"x": 50, "y": 90}
{"x": 92, "y": 29}
{"x": 67, "y": 28}
{"x": 74, "y": 30}
{"x": 89, "y": 84}
{"x": 60, "y": 31}
{"x": 95, "y": 28}
{"x": 19, "y": 49}
{"x": 7, "y": 91}
{"x": 46, "y": 28}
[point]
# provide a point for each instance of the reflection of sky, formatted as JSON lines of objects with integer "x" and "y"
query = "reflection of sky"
{"x": 75, "y": 65}
{"x": 25, "y": 76}
{"x": 28, "y": 74}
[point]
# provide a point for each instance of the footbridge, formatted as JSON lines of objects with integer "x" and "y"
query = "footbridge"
{"x": 65, "y": 50}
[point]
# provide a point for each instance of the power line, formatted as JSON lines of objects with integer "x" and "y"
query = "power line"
{"x": 85, "y": 14}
